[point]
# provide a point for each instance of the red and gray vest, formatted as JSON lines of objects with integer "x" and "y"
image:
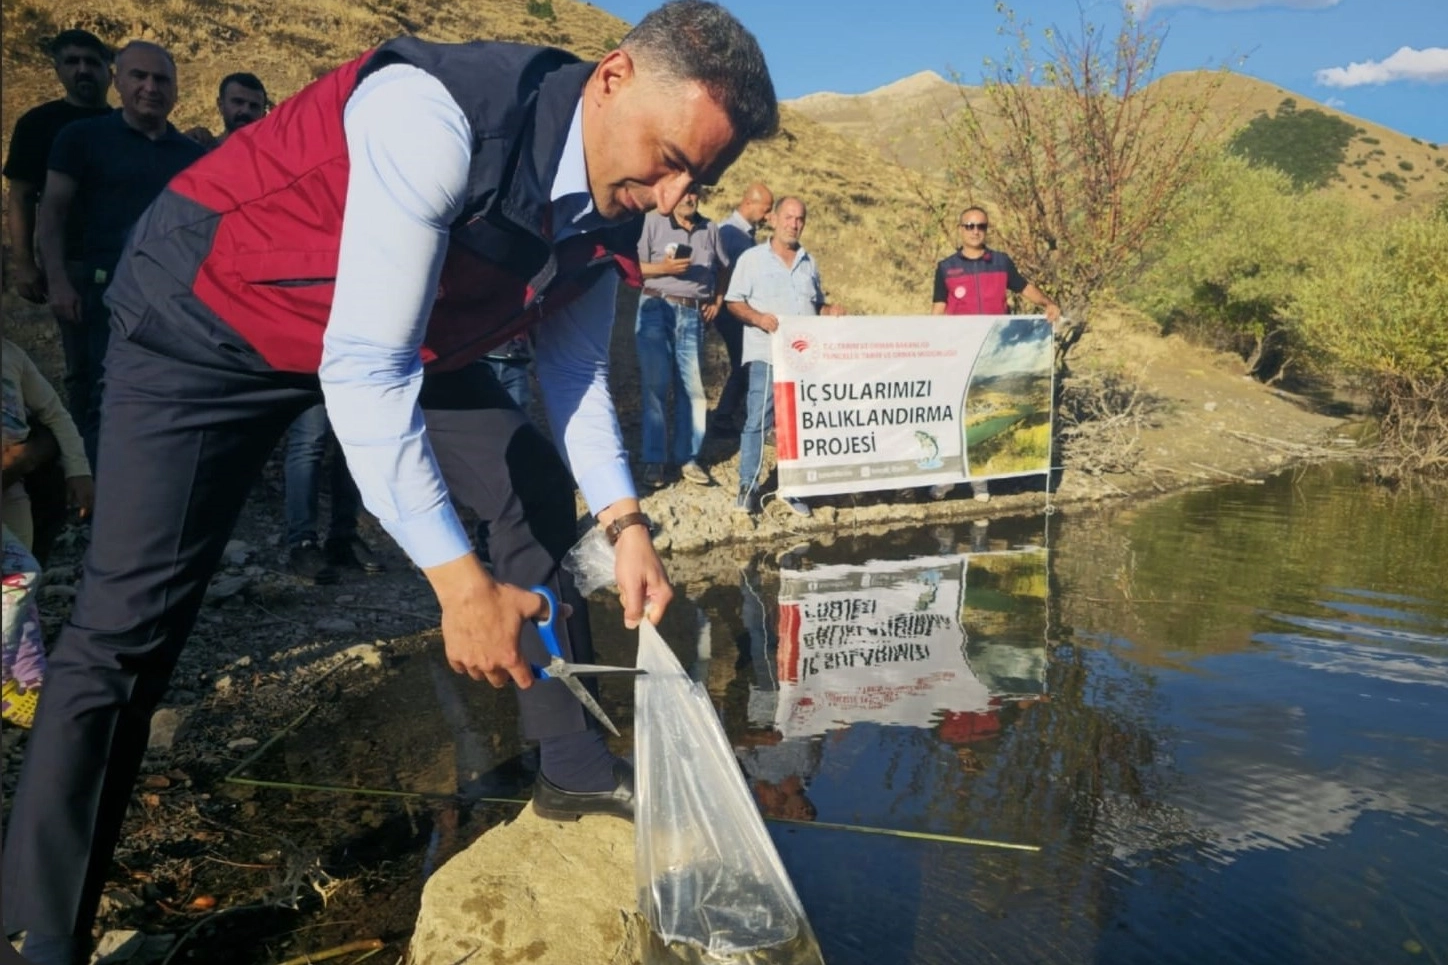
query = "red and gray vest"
{"x": 249, "y": 235}
{"x": 976, "y": 286}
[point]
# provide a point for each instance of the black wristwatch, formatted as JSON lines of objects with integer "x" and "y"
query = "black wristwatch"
{"x": 615, "y": 529}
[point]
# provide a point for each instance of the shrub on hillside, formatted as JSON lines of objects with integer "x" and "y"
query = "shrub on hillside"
{"x": 1307, "y": 146}
{"x": 1226, "y": 274}
{"x": 1378, "y": 318}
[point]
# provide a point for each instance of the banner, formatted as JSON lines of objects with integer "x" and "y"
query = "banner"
{"x": 885, "y": 402}
{"x": 894, "y": 641}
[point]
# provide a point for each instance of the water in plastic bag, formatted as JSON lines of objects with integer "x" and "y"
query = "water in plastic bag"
{"x": 710, "y": 882}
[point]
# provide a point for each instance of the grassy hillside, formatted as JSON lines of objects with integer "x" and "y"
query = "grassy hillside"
{"x": 285, "y": 44}
{"x": 1381, "y": 170}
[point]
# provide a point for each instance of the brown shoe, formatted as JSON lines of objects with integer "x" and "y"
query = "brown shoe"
{"x": 696, "y": 474}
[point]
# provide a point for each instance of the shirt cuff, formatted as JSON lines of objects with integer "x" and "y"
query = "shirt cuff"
{"x": 433, "y": 538}
{"x": 606, "y": 484}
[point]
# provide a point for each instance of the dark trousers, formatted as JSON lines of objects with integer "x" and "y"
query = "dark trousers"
{"x": 731, "y": 330}
{"x": 84, "y": 344}
{"x": 189, "y": 420}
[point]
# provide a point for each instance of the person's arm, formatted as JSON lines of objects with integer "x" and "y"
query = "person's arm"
{"x": 1016, "y": 282}
{"x": 20, "y": 212}
{"x": 736, "y": 300}
{"x": 937, "y": 297}
{"x": 571, "y": 351}
{"x": 720, "y": 269}
{"x": 1039, "y": 298}
{"x": 647, "y": 249}
{"x": 410, "y": 148}
{"x": 43, "y": 403}
{"x": 747, "y": 315}
{"x": 60, "y": 192}
{"x": 650, "y": 268}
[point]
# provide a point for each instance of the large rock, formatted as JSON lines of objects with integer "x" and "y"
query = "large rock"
{"x": 535, "y": 891}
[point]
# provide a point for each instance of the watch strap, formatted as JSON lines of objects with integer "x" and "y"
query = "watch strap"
{"x": 615, "y": 529}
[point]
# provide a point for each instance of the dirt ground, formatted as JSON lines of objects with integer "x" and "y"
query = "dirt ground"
{"x": 236, "y": 873}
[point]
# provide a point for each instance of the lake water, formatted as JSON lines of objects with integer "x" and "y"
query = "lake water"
{"x": 1221, "y": 717}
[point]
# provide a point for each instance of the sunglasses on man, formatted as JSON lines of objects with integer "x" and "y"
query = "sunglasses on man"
{"x": 975, "y": 225}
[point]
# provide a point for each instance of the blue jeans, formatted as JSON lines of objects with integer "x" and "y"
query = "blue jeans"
{"x": 513, "y": 375}
{"x": 759, "y": 418}
{"x": 668, "y": 338}
{"x": 306, "y": 447}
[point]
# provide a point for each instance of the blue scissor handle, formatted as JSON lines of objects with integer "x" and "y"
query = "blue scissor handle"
{"x": 545, "y": 630}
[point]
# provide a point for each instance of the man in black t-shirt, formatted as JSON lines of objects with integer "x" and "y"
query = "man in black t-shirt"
{"x": 83, "y": 65}
{"x": 110, "y": 169}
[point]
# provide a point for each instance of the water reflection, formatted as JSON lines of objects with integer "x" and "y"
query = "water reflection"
{"x": 1220, "y": 715}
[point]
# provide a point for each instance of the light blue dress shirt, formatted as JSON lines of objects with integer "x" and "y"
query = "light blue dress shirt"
{"x": 766, "y": 284}
{"x": 409, "y": 145}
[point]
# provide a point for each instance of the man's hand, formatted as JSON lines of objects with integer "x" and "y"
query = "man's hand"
{"x": 29, "y": 280}
{"x": 766, "y": 322}
{"x": 708, "y": 312}
{"x": 80, "y": 491}
{"x": 832, "y": 310}
{"x": 1053, "y": 313}
{"x": 64, "y": 301}
{"x": 643, "y": 586}
{"x": 481, "y": 619}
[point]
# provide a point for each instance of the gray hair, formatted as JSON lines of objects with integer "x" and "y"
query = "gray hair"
{"x": 695, "y": 40}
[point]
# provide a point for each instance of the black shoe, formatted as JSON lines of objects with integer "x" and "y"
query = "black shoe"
{"x": 307, "y": 562}
{"x": 555, "y": 804}
{"x": 350, "y": 552}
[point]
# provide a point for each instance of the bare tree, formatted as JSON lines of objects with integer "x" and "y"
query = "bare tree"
{"x": 1081, "y": 150}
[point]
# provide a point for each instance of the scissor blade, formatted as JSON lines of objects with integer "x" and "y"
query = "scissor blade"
{"x": 586, "y": 699}
{"x": 599, "y": 670}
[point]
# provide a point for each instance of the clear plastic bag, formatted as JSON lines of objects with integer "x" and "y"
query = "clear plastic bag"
{"x": 710, "y": 882}
{"x": 590, "y": 561}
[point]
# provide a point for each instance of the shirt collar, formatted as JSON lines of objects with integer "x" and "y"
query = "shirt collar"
{"x": 699, "y": 222}
{"x": 573, "y": 210}
{"x": 572, "y": 174}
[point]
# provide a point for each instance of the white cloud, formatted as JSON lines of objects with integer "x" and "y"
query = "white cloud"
{"x": 1142, "y": 8}
{"x": 1429, "y": 65}
{"x": 1336, "y": 102}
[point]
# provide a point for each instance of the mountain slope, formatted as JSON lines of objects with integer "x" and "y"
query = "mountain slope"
{"x": 1383, "y": 169}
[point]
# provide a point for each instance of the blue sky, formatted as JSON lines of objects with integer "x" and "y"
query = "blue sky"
{"x": 1385, "y": 61}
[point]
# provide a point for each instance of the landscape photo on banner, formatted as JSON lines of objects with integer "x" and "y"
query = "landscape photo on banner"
{"x": 927, "y": 642}
{"x": 890, "y": 402}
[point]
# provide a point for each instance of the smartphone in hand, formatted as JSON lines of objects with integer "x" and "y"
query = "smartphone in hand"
{"x": 683, "y": 251}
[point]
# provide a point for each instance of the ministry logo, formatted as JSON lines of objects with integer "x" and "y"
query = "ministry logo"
{"x": 804, "y": 351}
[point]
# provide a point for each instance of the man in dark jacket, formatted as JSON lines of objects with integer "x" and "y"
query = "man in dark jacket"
{"x": 366, "y": 243}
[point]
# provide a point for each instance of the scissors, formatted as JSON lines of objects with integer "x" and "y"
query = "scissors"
{"x": 560, "y": 669}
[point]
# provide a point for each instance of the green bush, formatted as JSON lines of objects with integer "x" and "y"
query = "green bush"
{"x": 1405, "y": 165}
{"x": 542, "y": 9}
{"x": 1227, "y": 273}
{"x": 1370, "y": 140}
{"x": 1307, "y": 146}
{"x": 1377, "y": 317}
{"x": 1393, "y": 179}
